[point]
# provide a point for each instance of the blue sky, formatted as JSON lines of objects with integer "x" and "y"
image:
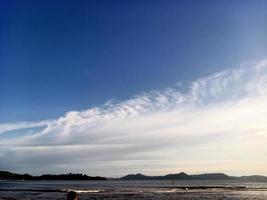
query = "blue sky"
{"x": 57, "y": 56}
{"x": 133, "y": 86}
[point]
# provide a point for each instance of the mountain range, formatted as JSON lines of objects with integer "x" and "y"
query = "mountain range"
{"x": 5, "y": 175}
{"x": 184, "y": 176}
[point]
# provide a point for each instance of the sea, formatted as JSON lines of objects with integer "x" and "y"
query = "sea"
{"x": 130, "y": 190}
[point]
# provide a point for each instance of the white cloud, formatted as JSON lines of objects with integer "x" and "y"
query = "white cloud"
{"x": 21, "y": 125}
{"x": 218, "y": 124}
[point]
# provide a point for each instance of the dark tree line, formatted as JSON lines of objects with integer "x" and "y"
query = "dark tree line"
{"x": 70, "y": 176}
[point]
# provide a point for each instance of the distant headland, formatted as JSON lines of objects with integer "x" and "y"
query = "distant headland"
{"x": 5, "y": 175}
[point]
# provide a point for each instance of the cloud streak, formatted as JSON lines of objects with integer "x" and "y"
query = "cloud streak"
{"x": 219, "y": 123}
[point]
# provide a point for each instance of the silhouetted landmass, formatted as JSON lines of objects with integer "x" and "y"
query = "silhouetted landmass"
{"x": 181, "y": 175}
{"x": 13, "y": 176}
{"x": 70, "y": 176}
{"x": 213, "y": 176}
{"x": 255, "y": 178}
{"x": 5, "y": 175}
{"x": 184, "y": 176}
{"x": 135, "y": 177}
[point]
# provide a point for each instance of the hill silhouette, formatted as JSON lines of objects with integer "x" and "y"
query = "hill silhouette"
{"x": 13, "y": 176}
{"x": 5, "y": 175}
{"x": 184, "y": 176}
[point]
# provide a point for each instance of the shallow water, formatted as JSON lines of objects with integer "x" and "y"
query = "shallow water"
{"x": 122, "y": 190}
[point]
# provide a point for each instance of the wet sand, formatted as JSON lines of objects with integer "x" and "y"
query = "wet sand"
{"x": 133, "y": 190}
{"x": 191, "y": 195}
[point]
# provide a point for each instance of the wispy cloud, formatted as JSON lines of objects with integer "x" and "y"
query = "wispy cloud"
{"x": 218, "y": 124}
{"x": 21, "y": 125}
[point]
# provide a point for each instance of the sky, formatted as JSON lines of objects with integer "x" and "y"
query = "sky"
{"x": 117, "y": 87}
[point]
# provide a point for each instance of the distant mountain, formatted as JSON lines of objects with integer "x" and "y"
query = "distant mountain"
{"x": 180, "y": 176}
{"x": 255, "y": 178}
{"x": 212, "y": 176}
{"x": 13, "y": 176}
{"x": 184, "y": 176}
{"x": 135, "y": 177}
{"x": 9, "y": 175}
